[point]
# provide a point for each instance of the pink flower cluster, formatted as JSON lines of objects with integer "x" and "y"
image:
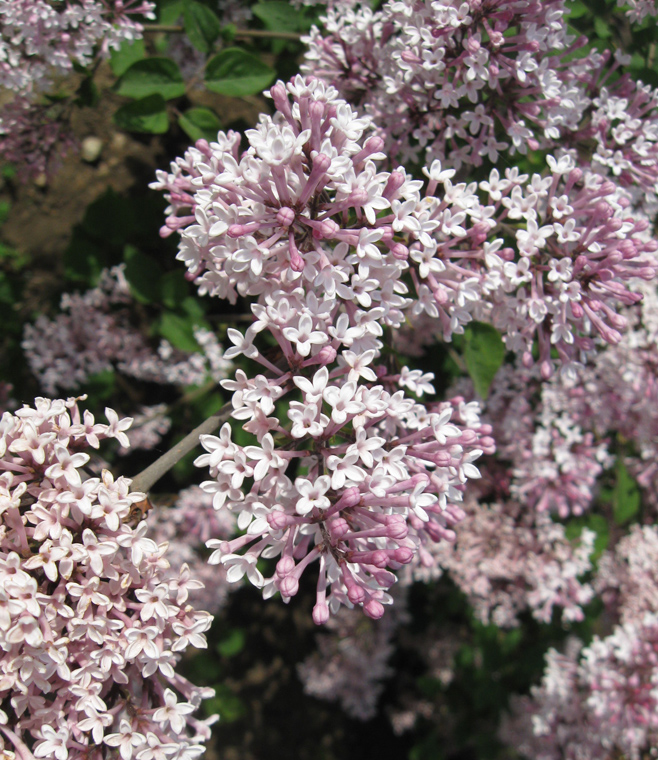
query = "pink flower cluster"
{"x": 458, "y": 81}
{"x": 304, "y": 222}
{"x": 92, "y": 621}
{"x": 94, "y": 333}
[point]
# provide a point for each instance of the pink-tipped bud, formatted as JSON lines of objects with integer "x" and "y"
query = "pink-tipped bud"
{"x": 285, "y": 216}
{"x": 350, "y": 498}
{"x": 236, "y": 230}
{"x": 403, "y": 555}
{"x": 326, "y": 355}
{"x": 285, "y": 565}
{"x": 374, "y": 609}
{"x": 396, "y": 527}
{"x": 320, "y": 613}
{"x": 356, "y": 594}
{"x": 380, "y": 558}
{"x": 394, "y": 183}
{"x": 546, "y": 369}
{"x": 339, "y": 528}
{"x": 408, "y": 57}
{"x": 321, "y": 163}
{"x": 278, "y": 520}
{"x": 289, "y": 585}
{"x": 399, "y": 251}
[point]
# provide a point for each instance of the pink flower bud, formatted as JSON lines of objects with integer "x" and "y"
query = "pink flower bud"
{"x": 373, "y": 609}
{"x": 403, "y": 555}
{"x": 356, "y": 594}
{"x": 285, "y": 565}
{"x": 320, "y": 613}
{"x": 285, "y": 216}
{"x": 288, "y": 586}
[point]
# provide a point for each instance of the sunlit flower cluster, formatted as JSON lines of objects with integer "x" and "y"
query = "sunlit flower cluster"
{"x": 92, "y": 622}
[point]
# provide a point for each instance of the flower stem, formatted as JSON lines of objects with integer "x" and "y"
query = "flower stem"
{"x": 148, "y": 477}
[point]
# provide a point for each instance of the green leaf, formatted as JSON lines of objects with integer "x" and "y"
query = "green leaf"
{"x": 130, "y": 52}
{"x": 143, "y": 275}
{"x": 279, "y": 16}
{"x": 625, "y": 496}
{"x": 594, "y": 522}
{"x": 225, "y": 703}
{"x": 198, "y": 123}
{"x": 169, "y": 11}
{"x": 484, "y": 353}
{"x": 202, "y": 26}
{"x": 236, "y": 73}
{"x": 173, "y": 289}
{"x": 145, "y": 115}
{"x": 152, "y": 76}
{"x": 233, "y": 644}
{"x": 5, "y": 207}
{"x": 179, "y": 331}
{"x": 576, "y": 9}
{"x": 601, "y": 28}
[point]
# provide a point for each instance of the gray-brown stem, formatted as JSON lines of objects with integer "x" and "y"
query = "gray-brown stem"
{"x": 148, "y": 477}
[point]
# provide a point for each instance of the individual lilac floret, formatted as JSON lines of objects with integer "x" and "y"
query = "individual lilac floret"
{"x": 92, "y": 621}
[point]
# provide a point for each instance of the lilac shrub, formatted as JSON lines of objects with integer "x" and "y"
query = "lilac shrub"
{"x": 93, "y": 618}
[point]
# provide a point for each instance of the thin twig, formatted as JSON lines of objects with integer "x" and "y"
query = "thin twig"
{"x": 148, "y": 477}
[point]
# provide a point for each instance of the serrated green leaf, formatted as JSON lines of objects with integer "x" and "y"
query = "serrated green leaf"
{"x": 179, "y": 331}
{"x": 143, "y": 275}
{"x": 130, "y": 52}
{"x": 236, "y": 73}
{"x": 484, "y": 353}
{"x": 152, "y": 76}
{"x": 202, "y": 26}
{"x": 198, "y": 123}
{"x": 146, "y": 115}
{"x": 625, "y": 496}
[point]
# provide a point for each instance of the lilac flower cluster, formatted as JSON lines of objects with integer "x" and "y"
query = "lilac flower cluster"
{"x": 92, "y": 620}
{"x": 304, "y": 222}
{"x": 457, "y": 81}
{"x": 94, "y": 333}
